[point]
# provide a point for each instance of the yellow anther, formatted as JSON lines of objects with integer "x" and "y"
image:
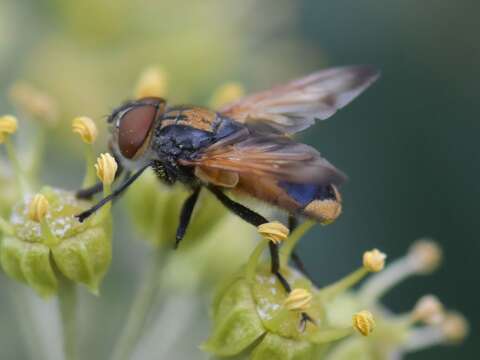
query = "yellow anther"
{"x": 374, "y": 260}
{"x": 106, "y": 167}
{"x": 152, "y": 83}
{"x": 226, "y": 93}
{"x": 273, "y": 231}
{"x": 34, "y": 102}
{"x": 8, "y": 125}
{"x": 426, "y": 255}
{"x": 455, "y": 327}
{"x": 38, "y": 208}
{"x": 364, "y": 322}
{"x": 298, "y": 300}
{"x": 86, "y": 128}
{"x": 428, "y": 310}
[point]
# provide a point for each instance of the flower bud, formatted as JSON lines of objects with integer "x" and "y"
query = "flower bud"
{"x": 226, "y": 93}
{"x": 106, "y": 167}
{"x": 455, "y": 327}
{"x": 298, "y": 300}
{"x": 85, "y": 128}
{"x": 34, "y": 102}
{"x": 273, "y": 231}
{"x": 38, "y": 208}
{"x": 35, "y": 252}
{"x": 374, "y": 260}
{"x": 364, "y": 322}
{"x": 152, "y": 83}
{"x": 426, "y": 254}
{"x": 429, "y": 310}
{"x": 8, "y": 125}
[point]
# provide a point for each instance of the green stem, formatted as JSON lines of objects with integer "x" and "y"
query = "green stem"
{"x": 90, "y": 169}
{"x": 140, "y": 309}
{"x": 254, "y": 259}
{"x": 329, "y": 292}
{"x": 289, "y": 244}
{"x": 29, "y": 326}
{"x": 19, "y": 174}
{"x": 37, "y": 152}
{"x": 67, "y": 297}
{"x": 6, "y": 227}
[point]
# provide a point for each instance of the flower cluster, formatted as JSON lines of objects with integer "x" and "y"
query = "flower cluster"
{"x": 43, "y": 243}
{"x": 256, "y": 318}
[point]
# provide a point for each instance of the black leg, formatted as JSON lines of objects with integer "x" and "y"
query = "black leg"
{"x": 117, "y": 192}
{"x": 256, "y": 219}
{"x": 186, "y": 215}
{"x": 245, "y": 213}
{"x": 88, "y": 193}
{"x": 297, "y": 261}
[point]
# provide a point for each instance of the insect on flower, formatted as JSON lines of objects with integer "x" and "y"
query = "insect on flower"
{"x": 244, "y": 147}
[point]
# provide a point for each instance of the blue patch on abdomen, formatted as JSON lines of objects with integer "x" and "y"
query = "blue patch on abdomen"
{"x": 306, "y": 193}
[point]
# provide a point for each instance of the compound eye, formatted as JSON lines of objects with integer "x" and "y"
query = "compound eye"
{"x": 134, "y": 127}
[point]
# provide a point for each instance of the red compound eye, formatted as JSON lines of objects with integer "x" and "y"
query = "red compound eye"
{"x": 134, "y": 127}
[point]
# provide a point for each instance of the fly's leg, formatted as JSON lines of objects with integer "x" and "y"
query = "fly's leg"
{"x": 297, "y": 261}
{"x": 186, "y": 215}
{"x": 256, "y": 220}
{"x": 115, "y": 194}
{"x": 89, "y": 192}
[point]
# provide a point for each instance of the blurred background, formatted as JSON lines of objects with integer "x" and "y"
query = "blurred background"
{"x": 409, "y": 144}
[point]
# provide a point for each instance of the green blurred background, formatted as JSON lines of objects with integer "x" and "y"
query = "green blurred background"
{"x": 409, "y": 144}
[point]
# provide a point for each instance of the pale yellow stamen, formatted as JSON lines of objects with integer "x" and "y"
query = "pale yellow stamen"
{"x": 374, "y": 260}
{"x": 426, "y": 255}
{"x": 85, "y": 128}
{"x": 364, "y": 322}
{"x": 273, "y": 231}
{"x": 455, "y": 327}
{"x": 428, "y": 310}
{"x": 152, "y": 83}
{"x": 106, "y": 167}
{"x": 8, "y": 125}
{"x": 38, "y": 208}
{"x": 298, "y": 300}
{"x": 34, "y": 102}
{"x": 226, "y": 93}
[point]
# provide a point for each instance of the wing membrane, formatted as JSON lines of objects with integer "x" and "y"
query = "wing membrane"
{"x": 274, "y": 156}
{"x": 297, "y": 105}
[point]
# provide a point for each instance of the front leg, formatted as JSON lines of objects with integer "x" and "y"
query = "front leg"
{"x": 186, "y": 215}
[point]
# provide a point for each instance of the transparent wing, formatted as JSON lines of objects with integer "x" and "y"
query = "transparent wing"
{"x": 295, "y": 106}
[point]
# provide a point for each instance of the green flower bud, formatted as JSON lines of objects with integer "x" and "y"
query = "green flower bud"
{"x": 252, "y": 313}
{"x": 155, "y": 210}
{"x": 47, "y": 240}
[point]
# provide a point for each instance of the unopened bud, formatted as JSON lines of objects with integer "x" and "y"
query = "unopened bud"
{"x": 38, "y": 208}
{"x": 152, "y": 83}
{"x": 455, "y": 327}
{"x": 428, "y": 310}
{"x": 226, "y": 93}
{"x": 34, "y": 102}
{"x": 106, "y": 167}
{"x": 273, "y": 231}
{"x": 374, "y": 260}
{"x": 298, "y": 300}
{"x": 427, "y": 255}
{"x": 8, "y": 125}
{"x": 364, "y": 322}
{"x": 86, "y": 128}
